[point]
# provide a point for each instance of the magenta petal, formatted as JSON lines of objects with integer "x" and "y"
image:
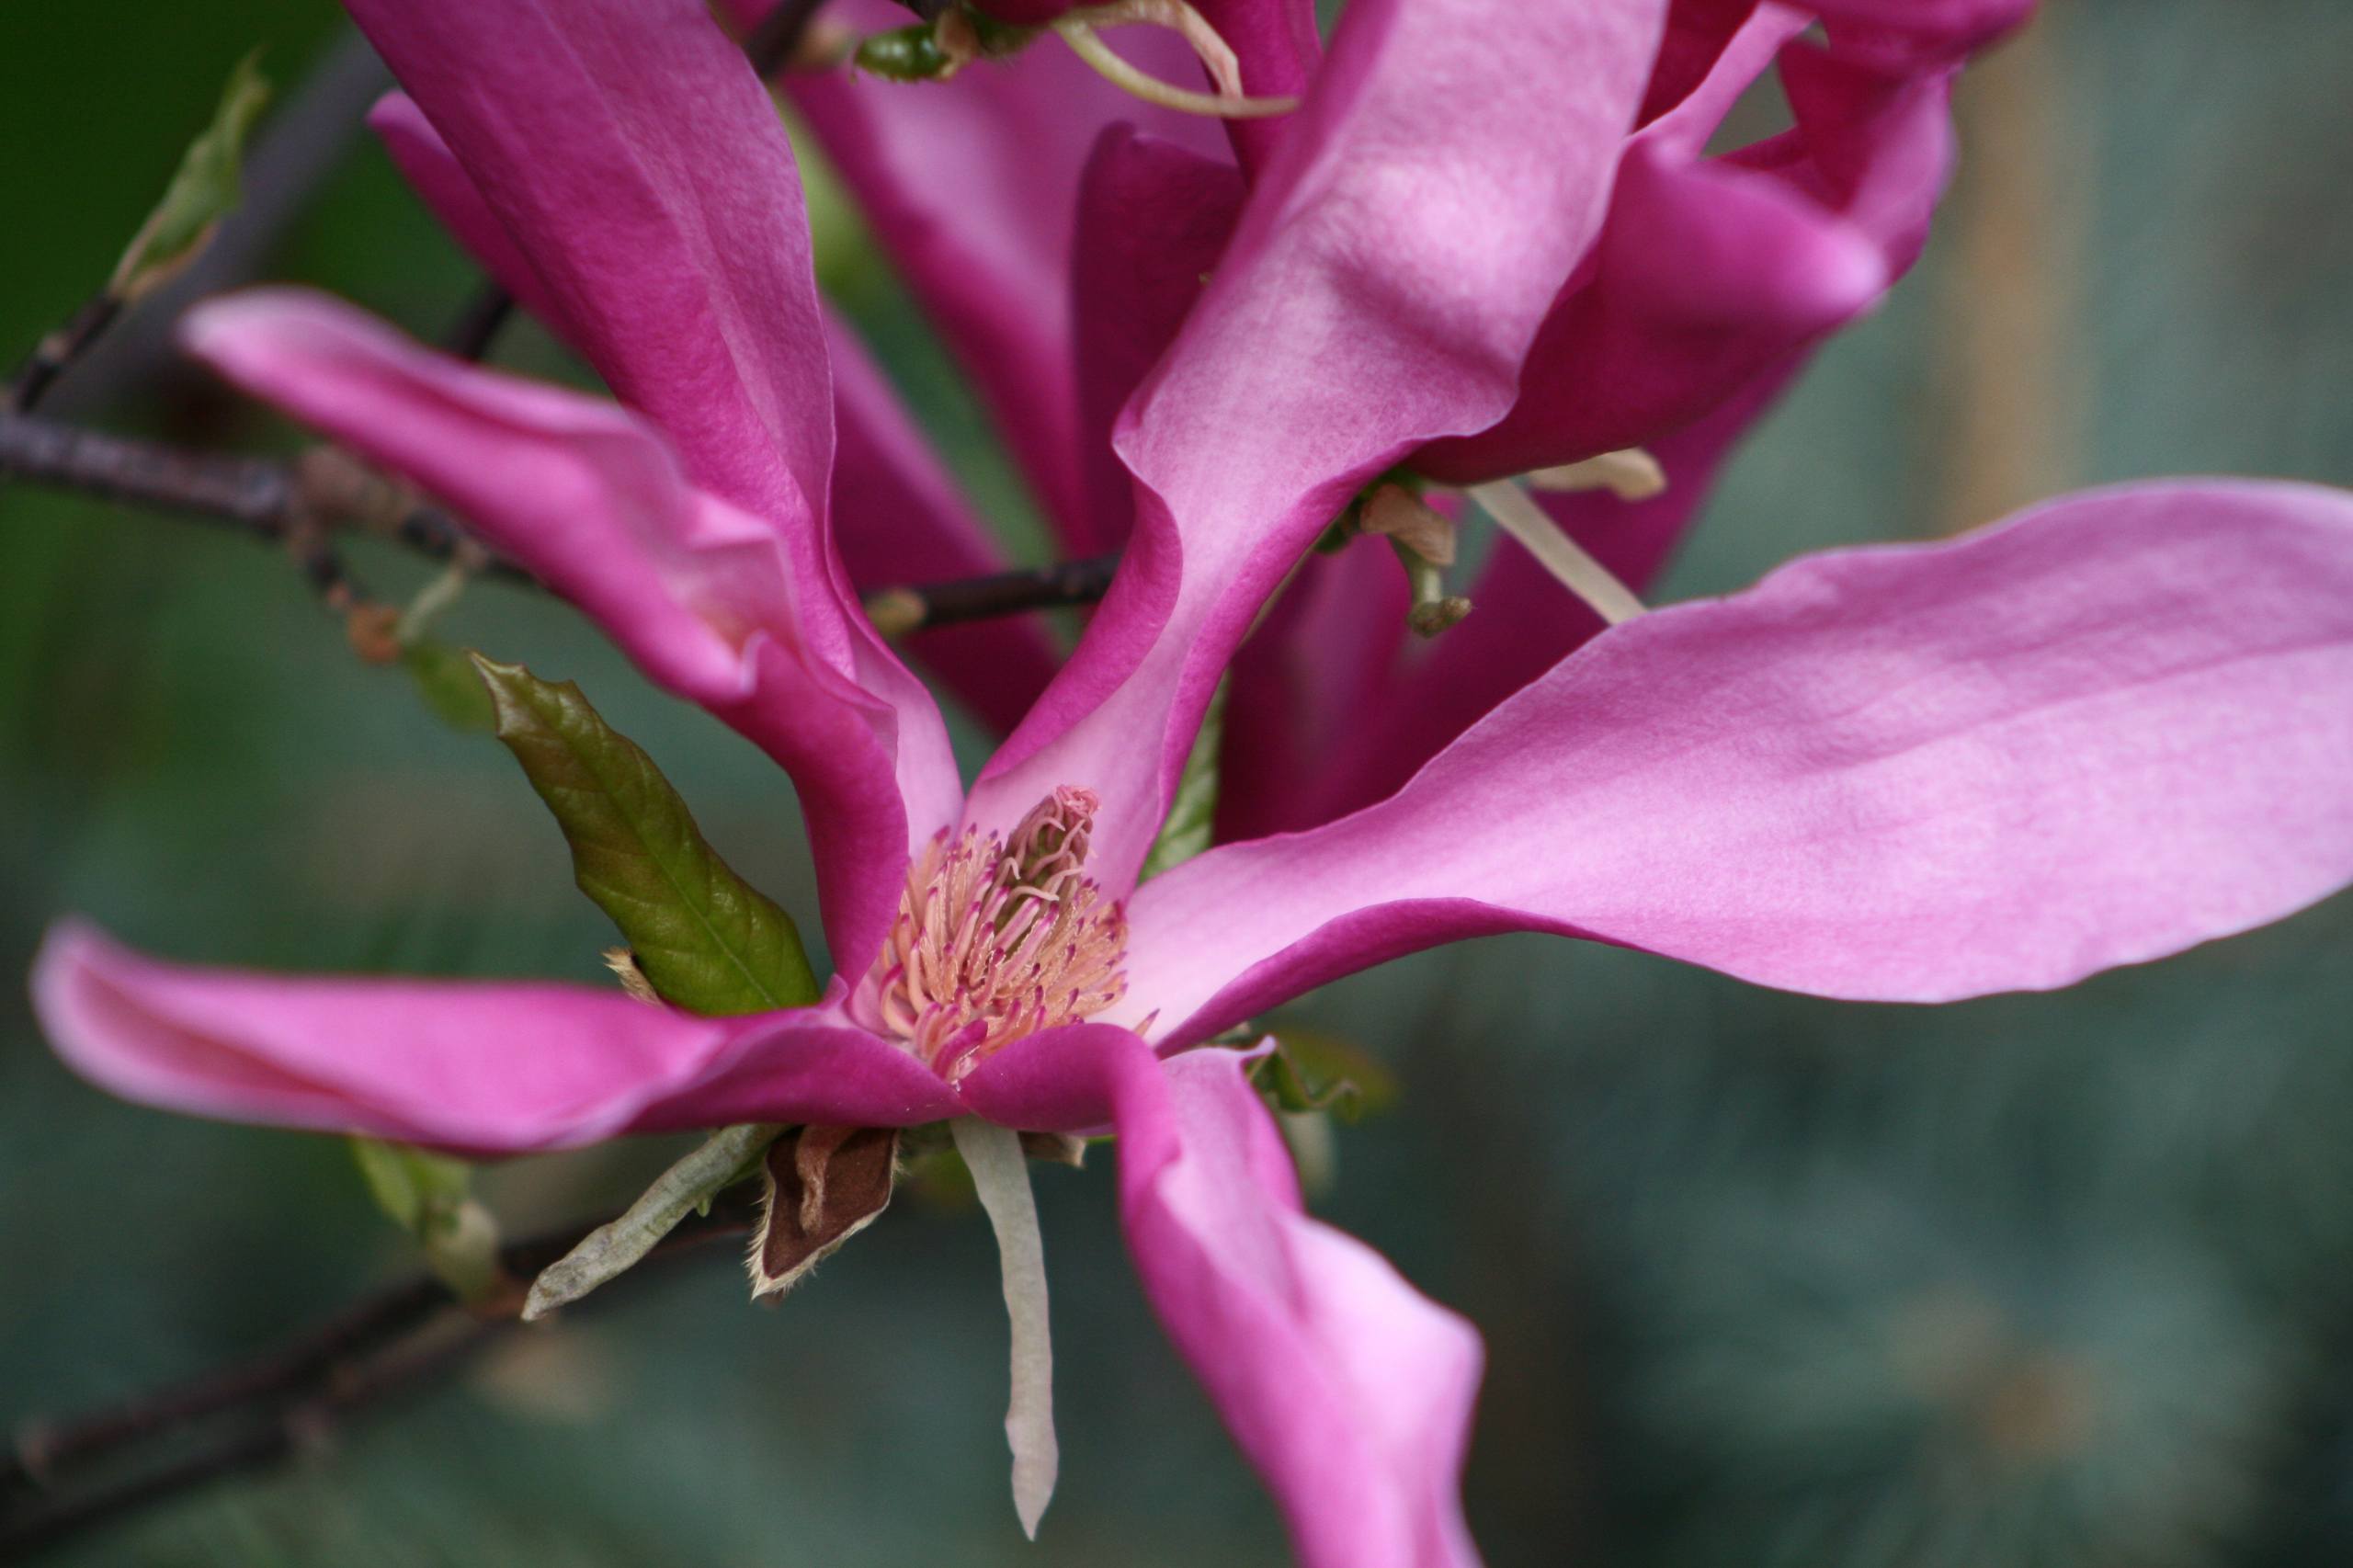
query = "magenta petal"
{"x": 2110, "y": 730}
{"x": 1348, "y": 1390}
{"x": 477, "y": 1065}
{"x": 640, "y": 170}
{"x": 697, "y": 591}
{"x": 1390, "y": 267}
{"x": 432, "y": 171}
{"x": 1154, "y": 219}
{"x": 1712, "y": 272}
{"x": 1274, "y": 43}
{"x": 898, "y": 519}
{"x": 971, "y": 187}
{"x": 1526, "y": 622}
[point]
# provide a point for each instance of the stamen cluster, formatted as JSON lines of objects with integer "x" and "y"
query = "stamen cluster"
{"x": 1008, "y": 935}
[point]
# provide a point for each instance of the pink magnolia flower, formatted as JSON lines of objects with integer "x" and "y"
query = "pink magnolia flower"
{"x": 1060, "y": 233}
{"x": 2108, "y": 731}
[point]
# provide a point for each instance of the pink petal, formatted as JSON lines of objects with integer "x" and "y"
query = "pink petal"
{"x": 1154, "y": 219}
{"x": 904, "y": 521}
{"x": 1902, "y": 33}
{"x": 1712, "y": 272}
{"x": 482, "y": 1066}
{"x": 899, "y": 519}
{"x": 432, "y": 172}
{"x": 1350, "y": 1391}
{"x": 698, "y": 592}
{"x": 1392, "y": 265}
{"x": 2111, "y": 729}
{"x": 1524, "y": 624}
{"x": 971, "y": 186}
{"x": 640, "y": 170}
{"x": 1276, "y": 44}
{"x": 1322, "y": 679}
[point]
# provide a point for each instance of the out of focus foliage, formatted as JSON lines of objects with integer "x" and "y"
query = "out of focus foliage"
{"x": 2054, "y": 1280}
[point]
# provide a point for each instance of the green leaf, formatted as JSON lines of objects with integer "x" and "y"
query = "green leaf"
{"x": 1192, "y": 814}
{"x": 411, "y": 1186}
{"x": 445, "y": 677}
{"x": 203, "y": 192}
{"x": 1309, "y": 1070}
{"x": 705, "y": 938}
{"x": 426, "y": 1195}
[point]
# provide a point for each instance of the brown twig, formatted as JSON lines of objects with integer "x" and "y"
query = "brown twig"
{"x": 470, "y": 336}
{"x": 397, "y": 1337}
{"x": 274, "y": 501}
{"x": 266, "y": 498}
{"x": 54, "y": 353}
{"x": 922, "y": 606}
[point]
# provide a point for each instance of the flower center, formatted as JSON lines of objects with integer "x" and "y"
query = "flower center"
{"x": 1008, "y": 936}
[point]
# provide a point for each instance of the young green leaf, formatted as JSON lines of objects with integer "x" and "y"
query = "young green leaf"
{"x": 445, "y": 677}
{"x": 203, "y": 192}
{"x": 705, "y": 938}
{"x": 1192, "y": 814}
{"x": 426, "y": 1195}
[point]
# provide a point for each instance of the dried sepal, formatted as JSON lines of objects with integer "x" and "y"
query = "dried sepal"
{"x": 821, "y": 1187}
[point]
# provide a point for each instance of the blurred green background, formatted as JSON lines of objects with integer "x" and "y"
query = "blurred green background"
{"x": 2042, "y": 1280}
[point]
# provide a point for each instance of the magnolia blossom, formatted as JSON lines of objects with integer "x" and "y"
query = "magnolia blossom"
{"x": 1060, "y": 235}
{"x": 2103, "y": 732}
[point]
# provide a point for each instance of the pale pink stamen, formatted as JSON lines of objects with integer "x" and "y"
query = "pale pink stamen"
{"x": 1006, "y": 934}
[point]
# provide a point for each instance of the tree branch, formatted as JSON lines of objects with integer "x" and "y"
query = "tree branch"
{"x": 270, "y": 1406}
{"x": 275, "y": 501}
{"x": 268, "y": 499}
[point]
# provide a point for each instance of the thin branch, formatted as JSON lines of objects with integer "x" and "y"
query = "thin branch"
{"x": 269, "y": 500}
{"x": 54, "y": 353}
{"x": 397, "y": 1337}
{"x": 265, "y": 498}
{"x": 477, "y": 326}
{"x": 297, "y": 148}
{"x": 925, "y": 605}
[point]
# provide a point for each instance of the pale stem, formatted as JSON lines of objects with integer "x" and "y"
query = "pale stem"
{"x": 1088, "y": 46}
{"x": 1216, "y": 55}
{"x": 1518, "y": 515}
{"x": 612, "y": 1248}
{"x": 1001, "y": 1178}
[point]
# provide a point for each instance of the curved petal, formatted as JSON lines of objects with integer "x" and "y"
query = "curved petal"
{"x": 482, "y": 1066}
{"x": 898, "y": 519}
{"x": 638, "y": 166}
{"x": 1712, "y": 272}
{"x": 2113, "y": 729}
{"x": 1390, "y": 267}
{"x": 1154, "y": 219}
{"x": 1274, "y": 43}
{"x": 432, "y": 172}
{"x": 1322, "y": 682}
{"x": 700, "y": 593}
{"x": 1902, "y": 33}
{"x": 1523, "y": 623}
{"x": 905, "y": 522}
{"x": 1350, "y": 1391}
{"x": 971, "y": 186}
{"x": 1912, "y": 31}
